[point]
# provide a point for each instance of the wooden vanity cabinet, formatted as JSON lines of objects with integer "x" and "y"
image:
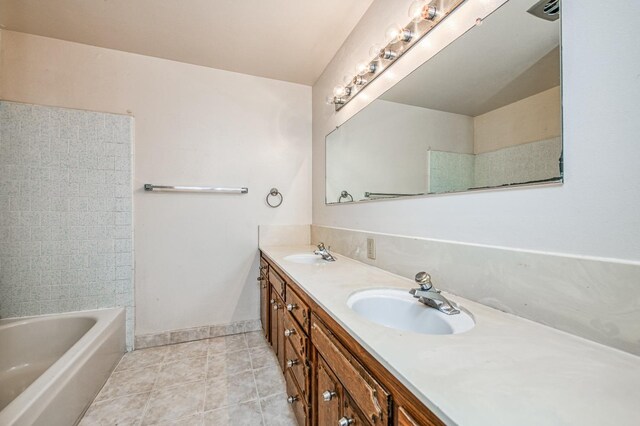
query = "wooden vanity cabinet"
{"x": 331, "y": 379}
{"x": 265, "y": 297}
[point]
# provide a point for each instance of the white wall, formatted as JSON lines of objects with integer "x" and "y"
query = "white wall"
{"x": 195, "y": 254}
{"x": 594, "y": 213}
{"x": 384, "y": 148}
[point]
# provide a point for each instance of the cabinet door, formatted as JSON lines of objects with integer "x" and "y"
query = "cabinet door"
{"x": 350, "y": 414}
{"x": 264, "y": 306}
{"x": 327, "y": 395}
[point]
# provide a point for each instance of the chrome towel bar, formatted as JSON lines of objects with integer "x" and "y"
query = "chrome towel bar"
{"x": 150, "y": 187}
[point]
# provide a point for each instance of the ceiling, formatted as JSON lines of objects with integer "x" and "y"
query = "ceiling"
{"x": 290, "y": 40}
{"x": 511, "y": 56}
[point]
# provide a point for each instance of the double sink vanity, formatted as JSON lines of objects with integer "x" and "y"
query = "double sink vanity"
{"x": 357, "y": 348}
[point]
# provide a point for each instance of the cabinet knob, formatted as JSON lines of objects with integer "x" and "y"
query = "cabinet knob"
{"x": 292, "y": 362}
{"x": 275, "y": 307}
{"x": 345, "y": 421}
{"x": 289, "y": 332}
{"x": 292, "y": 399}
{"x": 260, "y": 278}
{"x": 328, "y": 395}
{"x": 291, "y": 307}
{"x": 272, "y": 301}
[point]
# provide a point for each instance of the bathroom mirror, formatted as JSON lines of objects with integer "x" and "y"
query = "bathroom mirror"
{"x": 485, "y": 112}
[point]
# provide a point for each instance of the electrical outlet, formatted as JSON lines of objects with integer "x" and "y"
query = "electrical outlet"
{"x": 371, "y": 248}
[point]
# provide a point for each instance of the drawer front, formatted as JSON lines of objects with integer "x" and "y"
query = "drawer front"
{"x": 299, "y": 368}
{"x": 351, "y": 414}
{"x": 294, "y": 334}
{"x": 372, "y": 399}
{"x": 404, "y": 419}
{"x": 277, "y": 283}
{"x": 298, "y": 310}
{"x": 296, "y": 400}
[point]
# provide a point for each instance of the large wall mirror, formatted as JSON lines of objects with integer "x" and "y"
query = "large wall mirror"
{"x": 485, "y": 112}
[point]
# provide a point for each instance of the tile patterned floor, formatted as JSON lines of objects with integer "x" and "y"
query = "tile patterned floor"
{"x": 231, "y": 380}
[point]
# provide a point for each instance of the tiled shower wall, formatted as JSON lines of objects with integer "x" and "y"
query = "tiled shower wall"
{"x": 65, "y": 211}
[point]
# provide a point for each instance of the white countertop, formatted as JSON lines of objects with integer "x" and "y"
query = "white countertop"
{"x": 505, "y": 371}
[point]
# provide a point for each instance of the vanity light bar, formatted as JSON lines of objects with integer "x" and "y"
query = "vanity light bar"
{"x": 424, "y": 17}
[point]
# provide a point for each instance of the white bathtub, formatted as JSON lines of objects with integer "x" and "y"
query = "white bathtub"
{"x": 52, "y": 366}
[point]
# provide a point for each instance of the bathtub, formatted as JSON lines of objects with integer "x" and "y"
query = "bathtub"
{"x": 52, "y": 366}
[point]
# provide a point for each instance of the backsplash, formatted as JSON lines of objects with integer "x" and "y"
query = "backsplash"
{"x": 65, "y": 211}
{"x": 597, "y": 299}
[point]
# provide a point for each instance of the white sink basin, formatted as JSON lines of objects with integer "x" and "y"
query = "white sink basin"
{"x": 305, "y": 258}
{"x": 400, "y": 310}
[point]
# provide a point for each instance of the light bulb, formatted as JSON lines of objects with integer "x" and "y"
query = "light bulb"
{"x": 366, "y": 67}
{"x": 415, "y": 10}
{"x": 329, "y": 100}
{"x": 388, "y": 54}
{"x": 359, "y": 80}
{"x": 392, "y": 33}
{"x": 338, "y": 90}
{"x": 374, "y": 51}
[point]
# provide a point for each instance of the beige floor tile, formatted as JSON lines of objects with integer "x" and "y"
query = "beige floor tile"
{"x": 256, "y": 339}
{"x": 125, "y": 410}
{"x": 174, "y": 403}
{"x": 128, "y": 382}
{"x": 246, "y": 414}
{"x": 229, "y": 390}
{"x": 269, "y": 381}
{"x": 277, "y": 412}
{"x": 232, "y": 343}
{"x": 142, "y": 358}
{"x": 186, "y": 350}
{"x": 263, "y": 357}
{"x": 194, "y": 420}
{"x": 182, "y": 371}
{"x": 228, "y": 363}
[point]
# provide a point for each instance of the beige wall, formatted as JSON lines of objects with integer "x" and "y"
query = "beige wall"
{"x": 195, "y": 254}
{"x": 531, "y": 119}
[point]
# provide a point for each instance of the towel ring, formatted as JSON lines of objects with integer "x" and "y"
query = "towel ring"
{"x": 274, "y": 193}
{"x": 345, "y": 194}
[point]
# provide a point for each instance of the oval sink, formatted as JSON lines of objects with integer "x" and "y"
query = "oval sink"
{"x": 305, "y": 258}
{"x": 400, "y": 310}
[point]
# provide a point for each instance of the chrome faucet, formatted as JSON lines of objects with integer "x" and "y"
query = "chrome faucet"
{"x": 430, "y": 296}
{"x": 324, "y": 252}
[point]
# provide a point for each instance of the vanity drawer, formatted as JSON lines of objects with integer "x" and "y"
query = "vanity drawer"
{"x": 368, "y": 394}
{"x": 299, "y": 368}
{"x": 294, "y": 334}
{"x": 298, "y": 309}
{"x": 295, "y": 398}
{"x": 277, "y": 282}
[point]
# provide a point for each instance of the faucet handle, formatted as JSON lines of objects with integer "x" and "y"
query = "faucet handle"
{"x": 320, "y": 246}
{"x": 424, "y": 280}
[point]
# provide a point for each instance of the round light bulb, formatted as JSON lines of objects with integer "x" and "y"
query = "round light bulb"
{"x": 392, "y": 33}
{"x": 362, "y": 67}
{"x": 374, "y": 51}
{"x": 338, "y": 91}
{"x": 415, "y": 10}
{"x": 329, "y": 100}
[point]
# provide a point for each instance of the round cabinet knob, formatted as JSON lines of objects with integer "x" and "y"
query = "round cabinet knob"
{"x": 272, "y": 301}
{"x": 328, "y": 395}
{"x": 275, "y": 307}
{"x": 292, "y": 362}
{"x": 291, "y": 307}
{"x": 260, "y": 278}
{"x": 289, "y": 332}
{"x": 345, "y": 421}
{"x": 292, "y": 399}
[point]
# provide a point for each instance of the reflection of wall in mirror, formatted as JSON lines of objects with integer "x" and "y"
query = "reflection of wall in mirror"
{"x": 384, "y": 148}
